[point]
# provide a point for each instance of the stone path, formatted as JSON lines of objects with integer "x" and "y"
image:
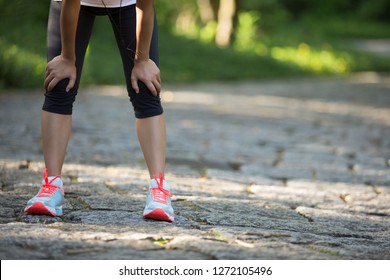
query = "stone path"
{"x": 380, "y": 47}
{"x": 292, "y": 169}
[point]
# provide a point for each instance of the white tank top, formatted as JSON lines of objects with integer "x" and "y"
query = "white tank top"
{"x": 107, "y": 3}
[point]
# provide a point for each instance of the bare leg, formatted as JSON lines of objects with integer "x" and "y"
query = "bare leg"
{"x": 152, "y": 138}
{"x": 56, "y": 130}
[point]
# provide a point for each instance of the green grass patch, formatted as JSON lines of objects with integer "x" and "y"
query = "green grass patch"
{"x": 324, "y": 45}
{"x": 189, "y": 60}
{"x": 19, "y": 66}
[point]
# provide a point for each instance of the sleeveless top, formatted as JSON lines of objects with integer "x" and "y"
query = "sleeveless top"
{"x": 107, "y": 3}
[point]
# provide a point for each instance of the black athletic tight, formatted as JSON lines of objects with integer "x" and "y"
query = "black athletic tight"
{"x": 61, "y": 102}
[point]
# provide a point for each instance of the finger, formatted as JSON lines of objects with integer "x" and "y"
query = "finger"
{"x": 47, "y": 82}
{"x": 52, "y": 84}
{"x": 49, "y": 77}
{"x": 49, "y": 68}
{"x": 134, "y": 84}
{"x": 152, "y": 88}
{"x": 157, "y": 86}
{"x": 70, "y": 84}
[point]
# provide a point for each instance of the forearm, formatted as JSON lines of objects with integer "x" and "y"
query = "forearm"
{"x": 145, "y": 24}
{"x": 69, "y": 17}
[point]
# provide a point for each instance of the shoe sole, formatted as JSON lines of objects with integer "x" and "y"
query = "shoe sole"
{"x": 160, "y": 215}
{"x": 38, "y": 208}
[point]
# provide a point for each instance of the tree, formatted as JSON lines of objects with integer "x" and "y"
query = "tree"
{"x": 226, "y": 13}
{"x": 223, "y": 12}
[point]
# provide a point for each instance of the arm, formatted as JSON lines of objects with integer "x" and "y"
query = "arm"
{"x": 144, "y": 68}
{"x": 63, "y": 66}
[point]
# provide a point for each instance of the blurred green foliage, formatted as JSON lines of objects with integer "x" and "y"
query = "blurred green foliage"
{"x": 271, "y": 39}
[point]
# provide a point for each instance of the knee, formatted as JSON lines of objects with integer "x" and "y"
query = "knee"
{"x": 144, "y": 103}
{"x": 58, "y": 100}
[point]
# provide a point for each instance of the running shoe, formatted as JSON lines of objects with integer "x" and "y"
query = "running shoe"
{"x": 158, "y": 201}
{"x": 48, "y": 200}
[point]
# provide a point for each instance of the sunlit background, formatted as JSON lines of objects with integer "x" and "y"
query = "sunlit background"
{"x": 214, "y": 40}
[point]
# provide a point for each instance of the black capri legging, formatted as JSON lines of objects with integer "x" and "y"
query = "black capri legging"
{"x": 124, "y": 18}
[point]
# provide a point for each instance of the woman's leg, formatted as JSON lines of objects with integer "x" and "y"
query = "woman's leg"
{"x": 152, "y": 138}
{"x": 56, "y": 130}
{"x": 150, "y": 119}
{"x": 56, "y": 120}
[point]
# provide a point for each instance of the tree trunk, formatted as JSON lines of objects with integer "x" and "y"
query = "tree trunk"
{"x": 226, "y": 13}
{"x": 206, "y": 11}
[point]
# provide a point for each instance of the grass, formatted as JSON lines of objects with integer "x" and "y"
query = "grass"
{"x": 303, "y": 48}
{"x": 323, "y": 45}
{"x": 189, "y": 60}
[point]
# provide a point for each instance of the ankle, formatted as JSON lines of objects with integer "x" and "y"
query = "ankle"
{"x": 56, "y": 182}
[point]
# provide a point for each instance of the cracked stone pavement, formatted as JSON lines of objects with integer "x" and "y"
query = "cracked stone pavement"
{"x": 283, "y": 169}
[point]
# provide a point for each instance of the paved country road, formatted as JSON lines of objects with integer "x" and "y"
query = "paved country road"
{"x": 289, "y": 169}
